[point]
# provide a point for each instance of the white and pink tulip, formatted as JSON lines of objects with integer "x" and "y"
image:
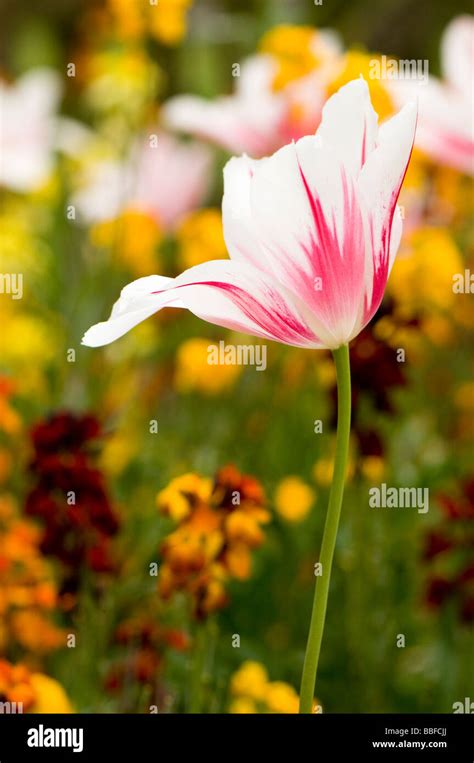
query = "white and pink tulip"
{"x": 446, "y": 118}
{"x": 257, "y": 119}
{"x": 312, "y": 233}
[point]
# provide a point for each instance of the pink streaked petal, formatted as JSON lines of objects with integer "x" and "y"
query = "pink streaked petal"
{"x": 236, "y": 295}
{"x": 379, "y": 185}
{"x": 349, "y": 125}
{"x": 315, "y": 232}
{"x": 138, "y": 301}
{"x": 225, "y": 293}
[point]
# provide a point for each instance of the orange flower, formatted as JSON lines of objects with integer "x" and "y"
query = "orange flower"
{"x": 35, "y": 692}
{"x": 218, "y": 526}
{"x": 10, "y": 422}
{"x": 27, "y": 589}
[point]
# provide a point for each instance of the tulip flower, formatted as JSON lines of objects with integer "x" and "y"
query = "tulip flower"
{"x": 446, "y": 125}
{"x": 312, "y": 233}
{"x": 257, "y": 118}
{"x": 165, "y": 178}
{"x": 28, "y": 129}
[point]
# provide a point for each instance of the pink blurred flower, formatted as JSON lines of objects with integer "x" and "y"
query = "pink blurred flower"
{"x": 312, "y": 233}
{"x": 446, "y": 118}
{"x": 27, "y": 136}
{"x": 235, "y": 122}
{"x": 256, "y": 119}
{"x": 163, "y": 177}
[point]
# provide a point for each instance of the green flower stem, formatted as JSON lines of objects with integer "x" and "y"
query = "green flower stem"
{"x": 197, "y": 676}
{"x": 318, "y": 614}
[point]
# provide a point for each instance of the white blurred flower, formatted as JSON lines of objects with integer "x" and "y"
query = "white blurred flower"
{"x": 166, "y": 180}
{"x": 445, "y": 109}
{"x": 28, "y": 127}
{"x": 257, "y": 118}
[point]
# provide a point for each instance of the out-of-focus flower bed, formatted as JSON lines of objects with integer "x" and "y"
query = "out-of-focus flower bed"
{"x": 160, "y": 515}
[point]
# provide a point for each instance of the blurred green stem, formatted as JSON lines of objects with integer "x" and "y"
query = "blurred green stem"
{"x": 318, "y": 614}
{"x": 206, "y": 637}
{"x": 199, "y": 659}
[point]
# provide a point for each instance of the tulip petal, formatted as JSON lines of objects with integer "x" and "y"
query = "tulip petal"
{"x": 247, "y": 121}
{"x": 239, "y": 234}
{"x": 349, "y": 125}
{"x": 226, "y": 293}
{"x": 445, "y": 122}
{"x": 379, "y": 184}
{"x": 314, "y": 236}
{"x": 138, "y": 301}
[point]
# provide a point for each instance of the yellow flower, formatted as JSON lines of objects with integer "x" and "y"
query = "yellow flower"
{"x": 37, "y": 693}
{"x": 128, "y": 17}
{"x": 21, "y": 252}
{"x": 122, "y": 80}
{"x": 250, "y": 681}
{"x": 464, "y": 396}
{"x": 213, "y": 539}
{"x": 415, "y": 177}
{"x": 214, "y": 595}
{"x": 133, "y": 237}
{"x": 25, "y": 341}
{"x": 50, "y": 696}
{"x": 293, "y": 499}
{"x": 10, "y": 421}
{"x": 432, "y": 251}
{"x": 453, "y": 192}
{"x": 27, "y": 589}
{"x": 238, "y": 561}
{"x": 294, "y": 49}
{"x": 194, "y": 373}
{"x": 438, "y": 329}
{"x": 242, "y": 705}
{"x": 34, "y": 632}
{"x": 243, "y": 526}
{"x": 174, "y": 500}
{"x": 163, "y": 19}
{"x": 168, "y": 20}
{"x": 281, "y": 698}
{"x": 200, "y": 238}
{"x": 373, "y": 468}
{"x": 355, "y": 63}
{"x": 253, "y": 692}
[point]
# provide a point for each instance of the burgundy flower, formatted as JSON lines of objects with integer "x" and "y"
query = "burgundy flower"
{"x": 435, "y": 543}
{"x": 69, "y": 493}
{"x": 64, "y": 431}
{"x": 438, "y": 591}
{"x": 450, "y": 547}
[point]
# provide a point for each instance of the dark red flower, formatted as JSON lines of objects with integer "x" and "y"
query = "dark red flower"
{"x": 450, "y": 547}
{"x": 69, "y": 493}
{"x": 229, "y": 481}
{"x": 435, "y": 543}
{"x": 438, "y": 590}
{"x": 64, "y": 431}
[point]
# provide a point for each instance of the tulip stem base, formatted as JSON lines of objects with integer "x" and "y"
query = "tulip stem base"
{"x": 318, "y": 614}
